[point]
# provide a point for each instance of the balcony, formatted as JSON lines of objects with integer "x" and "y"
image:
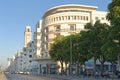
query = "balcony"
{"x": 64, "y": 30}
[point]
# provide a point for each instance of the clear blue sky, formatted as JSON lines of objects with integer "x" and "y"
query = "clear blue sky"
{"x": 16, "y": 14}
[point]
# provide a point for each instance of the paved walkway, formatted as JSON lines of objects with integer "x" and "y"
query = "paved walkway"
{"x": 2, "y": 76}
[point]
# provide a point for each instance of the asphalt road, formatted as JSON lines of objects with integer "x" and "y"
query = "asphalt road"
{"x": 27, "y": 77}
{"x": 51, "y": 77}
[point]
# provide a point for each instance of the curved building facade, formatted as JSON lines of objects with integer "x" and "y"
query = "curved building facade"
{"x": 68, "y": 19}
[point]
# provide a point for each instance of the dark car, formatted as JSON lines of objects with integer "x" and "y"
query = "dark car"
{"x": 117, "y": 73}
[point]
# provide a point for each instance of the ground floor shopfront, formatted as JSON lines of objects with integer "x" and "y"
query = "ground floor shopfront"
{"x": 44, "y": 66}
{"x": 47, "y": 66}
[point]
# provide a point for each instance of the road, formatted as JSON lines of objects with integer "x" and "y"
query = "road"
{"x": 26, "y": 77}
{"x": 50, "y": 77}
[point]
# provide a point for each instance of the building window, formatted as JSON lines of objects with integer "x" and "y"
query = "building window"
{"x": 30, "y": 61}
{"x": 74, "y": 17}
{"x": 30, "y": 50}
{"x": 59, "y": 18}
{"x": 30, "y": 56}
{"x": 30, "y": 45}
{"x": 96, "y": 18}
{"x": 72, "y": 27}
{"x": 24, "y": 54}
{"x": 24, "y": 49}
{"x": 24, "y": 62}
{"x": 28, "y": 30}
{"x": 86, "y": 17}
{"x": 103, "y": 18}
{"x": 81, "y": 17}
{"x": 54, "y": 19}
{"x": 62, "y": 17}
{"x": 68, "y": 17}
{"x": 65, "y": 17}
{"x": 57, "y": 28}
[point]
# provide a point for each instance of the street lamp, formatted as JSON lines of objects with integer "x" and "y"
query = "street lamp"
{"x": 70, "y": 56}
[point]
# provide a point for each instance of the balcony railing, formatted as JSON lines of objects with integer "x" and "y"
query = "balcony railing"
{"x": 64, "y": 30}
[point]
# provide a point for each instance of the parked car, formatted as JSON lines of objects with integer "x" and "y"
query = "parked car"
{"x": 89, "y": 72}
{"x": 117, "y": 73}
{"x": 26, "y": 72}
{"x": 20, "y": 72}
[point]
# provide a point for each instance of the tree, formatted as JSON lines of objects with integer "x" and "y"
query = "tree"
{"x": 92, "y": 40}
{"x": 114, "y": 12}
{"x": 78, "y": 57}
{"x": 114, "y": 18}
{"x": 112, "y": 45}
{"x": 60, "y": 50}
{"x": 57, "y": 50}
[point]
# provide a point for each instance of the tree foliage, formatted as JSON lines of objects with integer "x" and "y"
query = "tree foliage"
{"x": 112, "y": 45}
{"x": 93, "y": 40}
{"x": 114, "y": 12}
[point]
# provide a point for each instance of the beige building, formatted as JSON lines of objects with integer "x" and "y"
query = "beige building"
{"x": 68, "y": 19}
{"x": 27, "y": 36}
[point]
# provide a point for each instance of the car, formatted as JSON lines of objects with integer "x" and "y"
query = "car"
{"x": 89, "y": 72}
{"x": 26, "y": 72}
{"x": 20, "y": 72}
{"x": 117, "y": 73}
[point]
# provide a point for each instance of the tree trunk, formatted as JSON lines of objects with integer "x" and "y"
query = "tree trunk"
{"x": 94, "y": 69}
{"x": 77, "y": 69}
{"x": 102, "y": 68}
{"x": 61, "y": 67}
{"x": 112, "y": 70}
{"x": 66, "y": 68}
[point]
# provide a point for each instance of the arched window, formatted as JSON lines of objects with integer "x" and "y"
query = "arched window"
{"x": 74, "y": 17}
{"x": 28, "y": 30}
{"x": 54, "y": 19}
{"x": 62, "y": 17}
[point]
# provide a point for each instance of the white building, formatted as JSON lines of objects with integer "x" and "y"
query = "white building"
{"x": 12, "y": 65}
{"x": 60, "y": 20}
{"x": 22, "y": 61}
{"x": 37, "y": 39}
{"x": 68, "y": 19}
{"x": 27, "y": 36}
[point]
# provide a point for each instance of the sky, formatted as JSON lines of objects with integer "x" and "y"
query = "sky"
{"x": 16, "y": 14}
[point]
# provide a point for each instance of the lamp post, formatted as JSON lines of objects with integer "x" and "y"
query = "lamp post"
{"x": 70, "y": 56}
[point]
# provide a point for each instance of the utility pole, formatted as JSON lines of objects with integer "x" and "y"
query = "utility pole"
{"x": 70, "y": 56}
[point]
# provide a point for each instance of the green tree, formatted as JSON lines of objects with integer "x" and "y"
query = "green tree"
{"x": 112, "y": 45}
{"x": 93, "y": 39}
{"x": 57, "y": 50}
{"x": 114, "y": 12}
{"x": 78, "y": 57}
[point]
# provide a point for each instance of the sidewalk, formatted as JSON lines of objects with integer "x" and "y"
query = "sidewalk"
{"x": 2, "y": 76}
{"x": 77, "y": 78}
